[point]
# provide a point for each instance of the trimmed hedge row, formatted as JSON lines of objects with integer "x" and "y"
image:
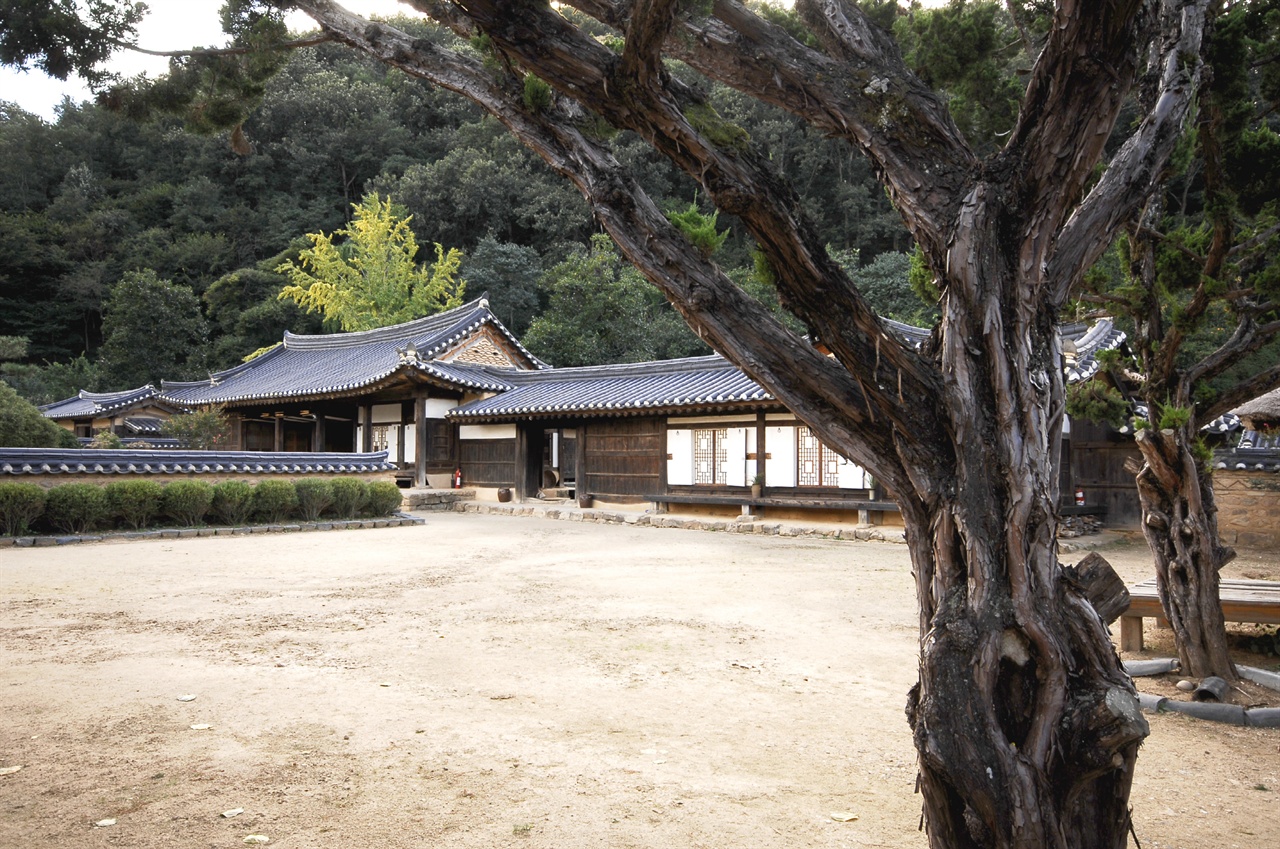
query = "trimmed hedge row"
{"x": 77, "y": 508}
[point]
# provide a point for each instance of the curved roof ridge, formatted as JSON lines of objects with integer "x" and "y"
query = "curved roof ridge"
{"x": 392, "y": 332}
{"x": 218, "y": 376}
{"x": 612, "y": 370}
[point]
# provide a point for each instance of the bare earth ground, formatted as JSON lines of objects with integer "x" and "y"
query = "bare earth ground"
{"x": 487, "y": 681}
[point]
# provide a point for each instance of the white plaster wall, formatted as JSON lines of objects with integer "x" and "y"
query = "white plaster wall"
{"x": 852, "y": 476}
{"x": 780, "y": 466}
{"x": 680, "y": 452}
{"x": 437, "y": 407}
{"x": 494, "y": 431}
{"x": 735, "y": 462}
{"x": 386, "y": 413}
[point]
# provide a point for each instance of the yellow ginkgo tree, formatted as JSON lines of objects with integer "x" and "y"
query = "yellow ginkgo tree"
{"x": 369, "y": 277}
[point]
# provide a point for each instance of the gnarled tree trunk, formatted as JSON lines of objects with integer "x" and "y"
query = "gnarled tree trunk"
{"x": 1180, "y": 523}
{"x": 1026, "y": 724}
{"x": 1027, "y": 728}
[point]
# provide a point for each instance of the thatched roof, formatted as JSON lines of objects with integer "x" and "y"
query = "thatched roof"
{"x": 1262, "y": 413}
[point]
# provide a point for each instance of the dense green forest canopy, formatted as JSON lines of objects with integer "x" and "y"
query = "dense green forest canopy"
{"x": 96, "y": 196}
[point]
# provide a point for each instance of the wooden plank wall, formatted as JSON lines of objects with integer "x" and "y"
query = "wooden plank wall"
{"x": 1098, "y": 454}
{"x": 624, "y": 457}
{"x": 488, "y": 462}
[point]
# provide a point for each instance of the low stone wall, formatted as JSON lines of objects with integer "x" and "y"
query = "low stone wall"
{"x": 1248, "y": 507}
{"x": 436, "y": 500}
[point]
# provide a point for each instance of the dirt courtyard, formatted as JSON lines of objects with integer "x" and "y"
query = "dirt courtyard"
{"x": 488, "y": 681}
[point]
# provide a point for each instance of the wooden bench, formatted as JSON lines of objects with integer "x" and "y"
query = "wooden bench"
{"x": 1242, "y": 601}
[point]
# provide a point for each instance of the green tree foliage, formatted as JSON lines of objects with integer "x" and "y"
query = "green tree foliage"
{"x": 601, "y": 310}
{"x": 49, "y": 382}
{"x": 206, "y": 429}
{"x": 886, "y": 282}
{"x": 154, "y": 330}
{"x": 970, "y": 50}
{"x": 509, "y": 273}
{"x": 62, "y": 37}
{"x": 22, "y": 425}
{"x": 372, "y": 279}
{"x": 699, "y": 229}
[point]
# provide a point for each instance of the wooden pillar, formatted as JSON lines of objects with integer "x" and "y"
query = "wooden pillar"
{"x": 761, "y": 442}
{"x": 420, "y": 441}
{"x": 317, "y": 433}
{"x": 520, "y": 472}
{"x": 366, "y": 418}
{"x": 580, "y": 475}
{"x": 278, "y": 442}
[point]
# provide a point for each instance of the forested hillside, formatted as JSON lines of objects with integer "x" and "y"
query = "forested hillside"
{"x": 91, "y": 200}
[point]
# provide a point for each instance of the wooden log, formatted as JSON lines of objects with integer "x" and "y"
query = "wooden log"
{"x": 1101, "y": 586}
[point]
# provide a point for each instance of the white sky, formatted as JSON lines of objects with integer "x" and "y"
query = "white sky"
{"x": 169, "y": 25}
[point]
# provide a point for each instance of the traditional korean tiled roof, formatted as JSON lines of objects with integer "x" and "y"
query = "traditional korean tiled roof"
{"x": 94, "y": 404}
{"x": 699, "y": 383}
{"x": 694, "y": 383}
{"x": 1081, "y": 341}
{"x": 56, "y": 461}
{"x": 339, "y": 363}
{"x": 1256, "y": 452}
{"x": 143, "y": 424}
{"x": 1089, "y": 340}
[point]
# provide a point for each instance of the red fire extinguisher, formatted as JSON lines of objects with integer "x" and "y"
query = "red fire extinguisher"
{"x": 1079, "y": 497}
{"x": 457, "y": 478}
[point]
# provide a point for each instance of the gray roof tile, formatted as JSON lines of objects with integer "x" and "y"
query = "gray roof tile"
{"x": 310, "y": 366}
{"x": 91, "y": 404}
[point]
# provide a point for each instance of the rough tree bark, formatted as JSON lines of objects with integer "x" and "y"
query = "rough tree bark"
{"x": 1180, "y": 523}
{"x": 1175, "y": 485}
{"x": 1026, "y": 725}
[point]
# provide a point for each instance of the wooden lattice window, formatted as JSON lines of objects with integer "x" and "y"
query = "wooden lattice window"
{"x": 380, "y": 438}
{"x": 710, "y": 456}
{"x": 816, "y": 464}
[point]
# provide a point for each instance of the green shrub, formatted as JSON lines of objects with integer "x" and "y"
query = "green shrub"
{"x": 20, "y": 505}
{"x": 105, "y": 439}
{"x": 349, "y": 496}
{"x": 273, "y": 500}
{"x": 314, "y": 495}
{"x": 134, "y": 503}
{"x": 233, "y": 502}
{"x": 75, "y": 507}
{"x": 384, "y": 499}
{"x": 187, "y": 502}
{"x": 23, "y": 426}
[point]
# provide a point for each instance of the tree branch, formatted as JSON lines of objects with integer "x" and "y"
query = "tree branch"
{"x": 310, "y": 41}
{"x": 1241, "y": 392}
{"x": 1136, "y": 168}
{"x": 863, "y": 92}
{"x": 813, "y": 385}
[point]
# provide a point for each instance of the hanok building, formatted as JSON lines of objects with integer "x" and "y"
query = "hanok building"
{"x": 131, "y": 413}
{"x": 456, "y": 392}
{"x": 377, "y": 390}
{"x": 693, "y": 431}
